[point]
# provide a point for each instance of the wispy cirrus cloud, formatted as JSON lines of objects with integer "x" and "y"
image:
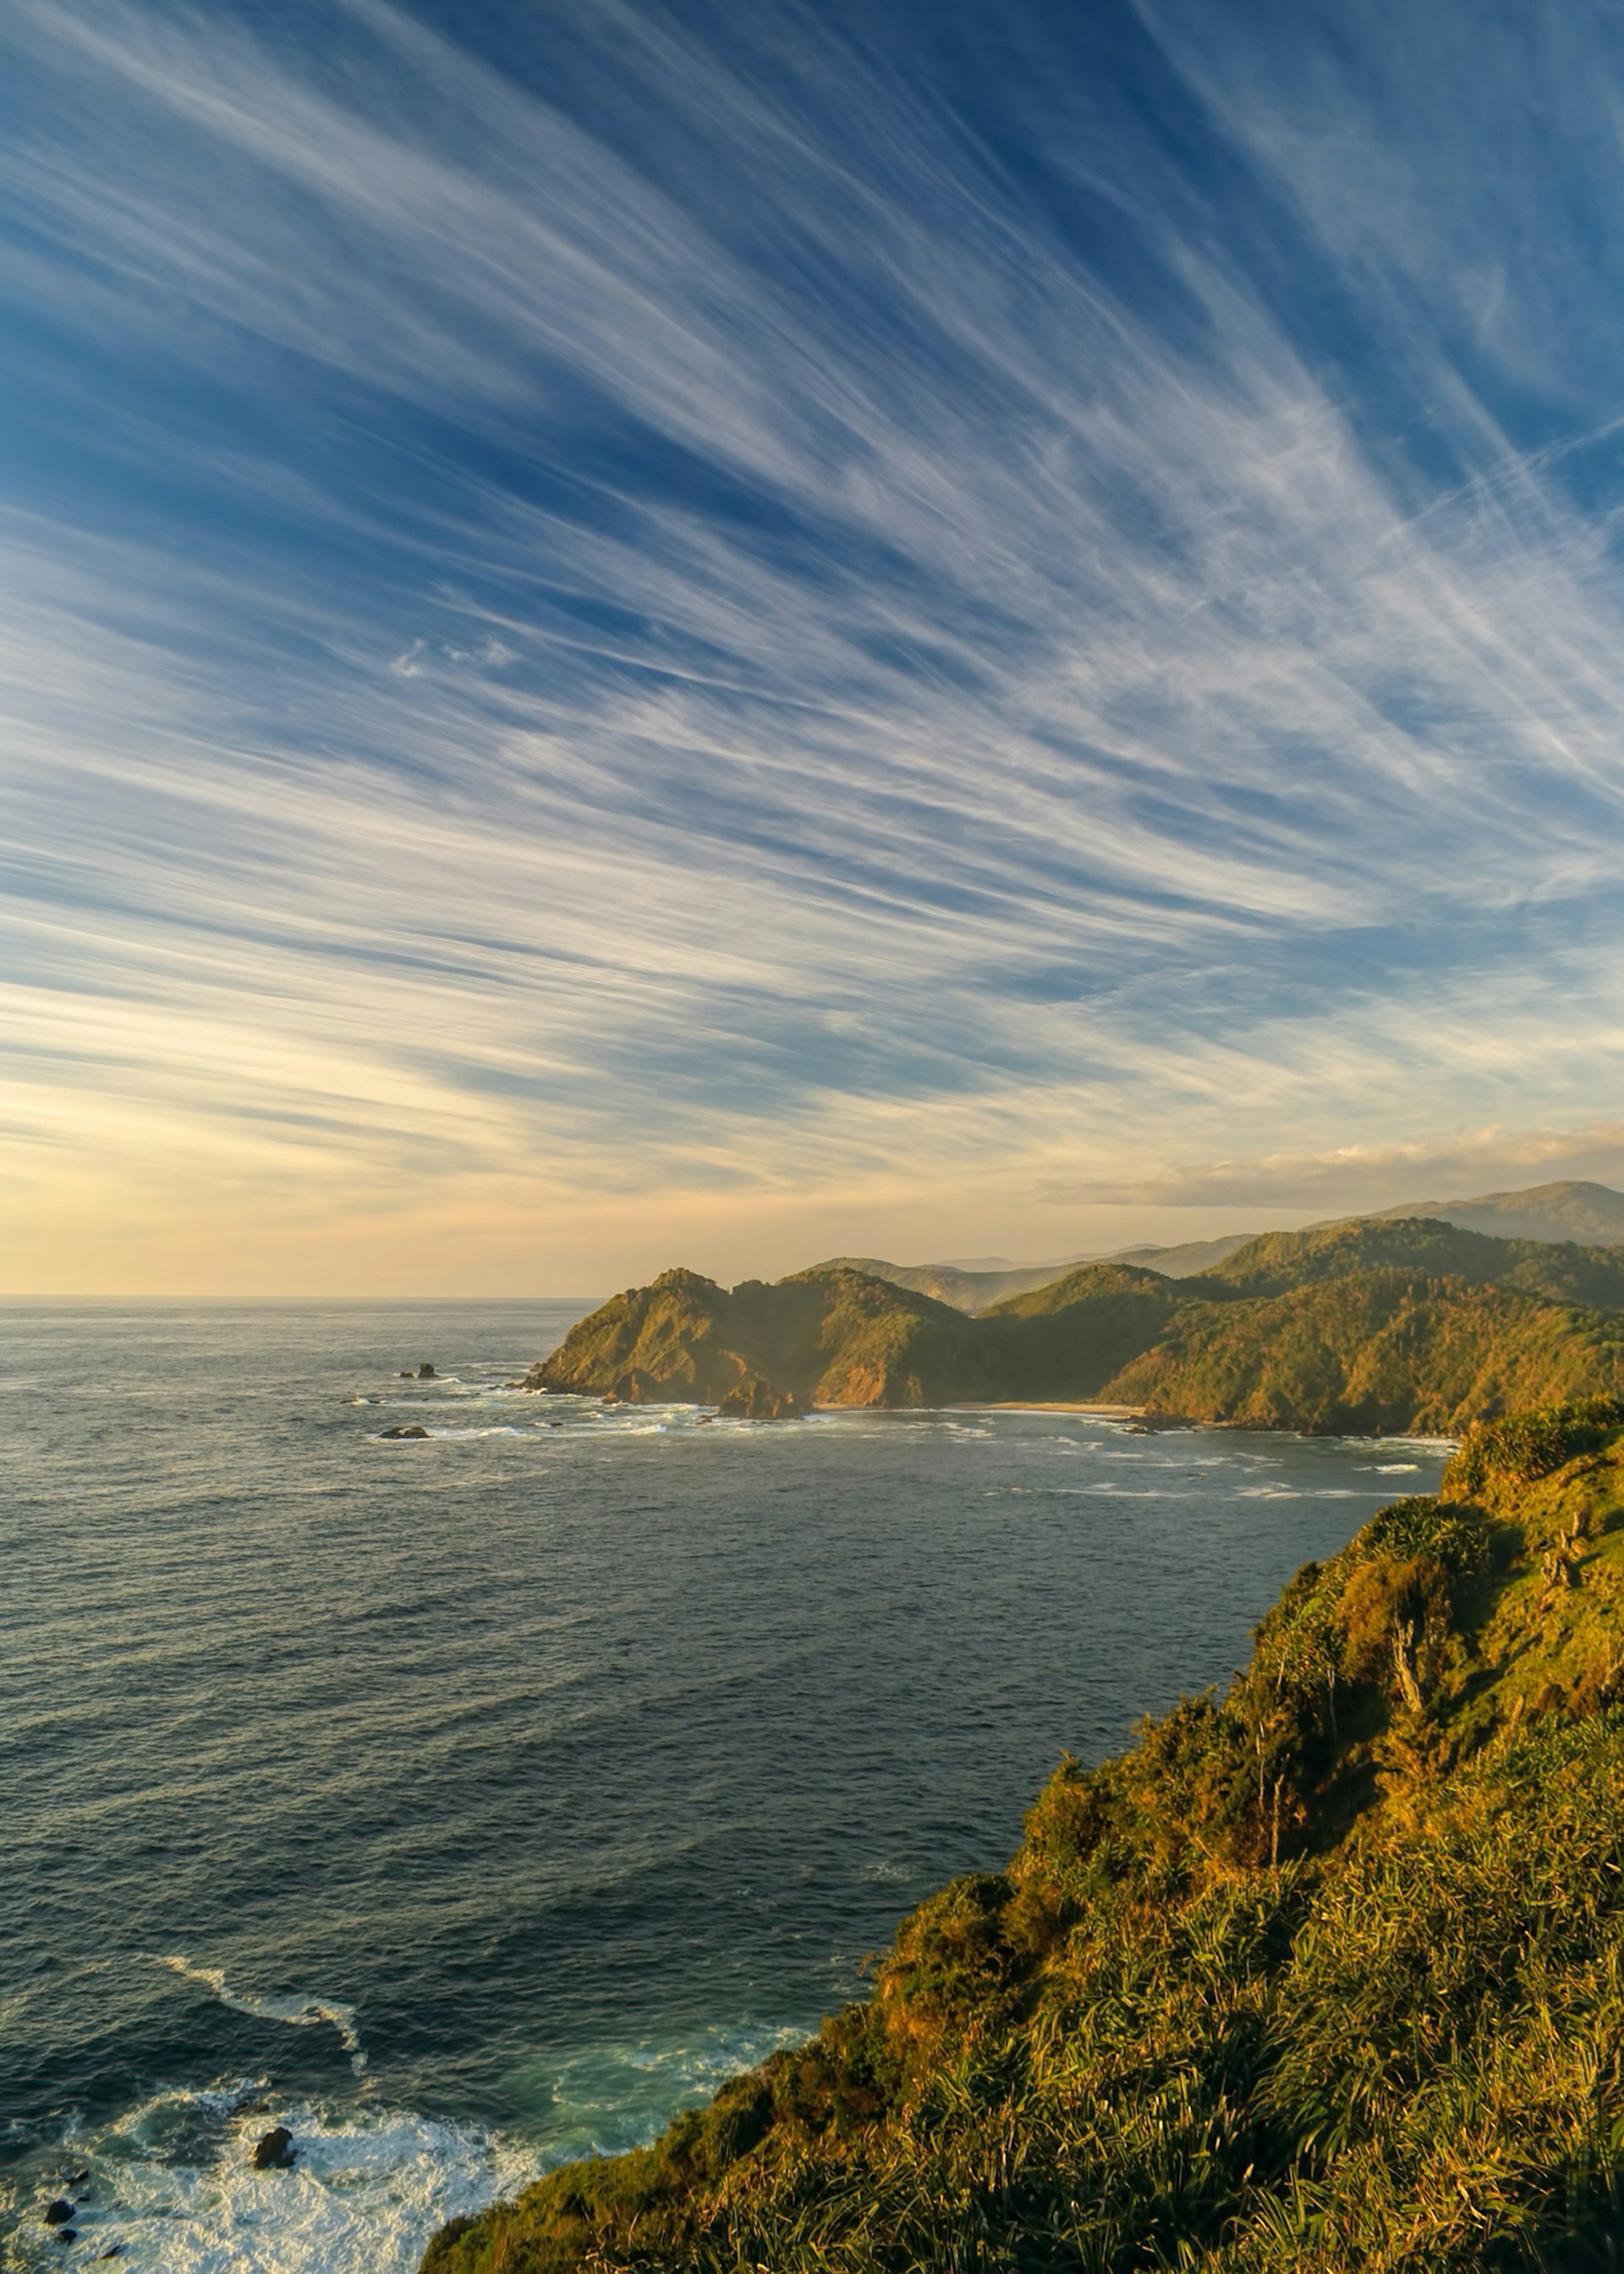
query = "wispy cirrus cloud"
{"x": 624, "y": 612}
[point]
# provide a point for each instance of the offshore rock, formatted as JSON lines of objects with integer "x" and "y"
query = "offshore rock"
{"x": 412, "y": 1429}
{"x": 274, "y": 2151}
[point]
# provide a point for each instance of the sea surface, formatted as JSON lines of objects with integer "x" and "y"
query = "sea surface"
{"x": 468, "y": 1802}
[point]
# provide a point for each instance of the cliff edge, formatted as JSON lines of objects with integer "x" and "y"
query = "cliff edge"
{"x": 1326, "y": 1971}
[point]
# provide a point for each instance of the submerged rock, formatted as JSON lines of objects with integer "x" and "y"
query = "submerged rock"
{"x": 58, "y": 2213}
{"x": 274, "y": 2151}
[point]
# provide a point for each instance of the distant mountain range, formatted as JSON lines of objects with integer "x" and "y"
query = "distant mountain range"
{"x": 1592, "y": 1215}
{"x": 978, "y": 1290}
{"x": 1374, "y": 1324}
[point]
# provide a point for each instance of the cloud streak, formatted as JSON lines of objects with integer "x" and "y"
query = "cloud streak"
{"x": 820, "y": 611}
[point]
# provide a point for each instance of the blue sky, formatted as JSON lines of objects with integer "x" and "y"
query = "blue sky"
{"x": 723, "y": 632}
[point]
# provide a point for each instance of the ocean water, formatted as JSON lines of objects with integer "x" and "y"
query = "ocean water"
{"x": 468, "y": 1802}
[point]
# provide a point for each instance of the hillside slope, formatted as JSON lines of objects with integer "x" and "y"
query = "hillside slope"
{"x": 1559, "y": 1271}
{"x": 1325, "y": 1973}
{"x": 1375, "y": 1352}
{"x": 1570, "y": 1209}
{"x": 1185, "y": 1259}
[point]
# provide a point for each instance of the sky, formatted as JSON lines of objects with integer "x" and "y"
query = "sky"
{"x": 638, "y": 633}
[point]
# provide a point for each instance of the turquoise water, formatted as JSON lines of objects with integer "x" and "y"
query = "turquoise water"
{"x": 468, "y": 1801}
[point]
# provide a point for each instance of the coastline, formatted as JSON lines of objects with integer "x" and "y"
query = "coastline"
{"x": 1048, "y": 1405}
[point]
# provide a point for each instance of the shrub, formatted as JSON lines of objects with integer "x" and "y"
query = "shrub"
{"x": 1527, "y": 1446}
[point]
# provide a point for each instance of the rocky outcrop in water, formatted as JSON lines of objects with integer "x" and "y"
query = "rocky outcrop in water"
{"x": 274, "y": 2151}
{"x": 753, "y": 1399}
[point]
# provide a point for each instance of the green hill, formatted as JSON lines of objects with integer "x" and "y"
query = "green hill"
{"x": 1375, "y": 1351}
{"x": 1368, "y": 1325}
{"x": 1069, "y": 1339}
{"x": 831, "y": 1336}
{"x": 1560, "y": 1271}
{"x": 1326, "y": 1972}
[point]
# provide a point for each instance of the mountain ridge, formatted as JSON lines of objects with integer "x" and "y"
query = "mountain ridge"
{"x": 1568, "y": 1211}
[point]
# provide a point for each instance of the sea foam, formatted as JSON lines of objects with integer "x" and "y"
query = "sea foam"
{"x": 300, "y": 2012}
{"x": 172, "y": 2184}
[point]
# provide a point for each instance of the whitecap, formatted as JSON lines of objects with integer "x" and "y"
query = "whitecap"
{"x": 300, "y": 2011}
{"x": 492, "y": 1429}
{"x": 173, "y": 2184}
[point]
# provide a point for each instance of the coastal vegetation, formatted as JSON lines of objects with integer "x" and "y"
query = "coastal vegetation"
{"x": 1370, "y": 1325}
{"x": 1325, "y": 1971}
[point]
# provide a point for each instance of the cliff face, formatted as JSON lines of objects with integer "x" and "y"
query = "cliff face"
{"x": 1376, "y": 1327}
{"x": 1324, "y": 1973}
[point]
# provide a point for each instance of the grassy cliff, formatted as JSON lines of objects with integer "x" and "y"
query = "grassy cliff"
{"x": 1324, "y": 1972}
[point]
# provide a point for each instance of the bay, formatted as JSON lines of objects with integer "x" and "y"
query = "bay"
{"x": 472, "y": 1800}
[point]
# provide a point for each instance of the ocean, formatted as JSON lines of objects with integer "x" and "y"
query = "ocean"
{"x": 468, "y": 1802}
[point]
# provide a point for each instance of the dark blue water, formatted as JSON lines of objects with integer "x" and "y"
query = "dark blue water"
{"x": 469, "y": 1800}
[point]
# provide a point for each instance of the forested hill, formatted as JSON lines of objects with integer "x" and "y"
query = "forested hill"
{"x": 1325, "y": 1973}
{"x": 1394, "y": 1325}
{"x": 832, "y": 1336}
